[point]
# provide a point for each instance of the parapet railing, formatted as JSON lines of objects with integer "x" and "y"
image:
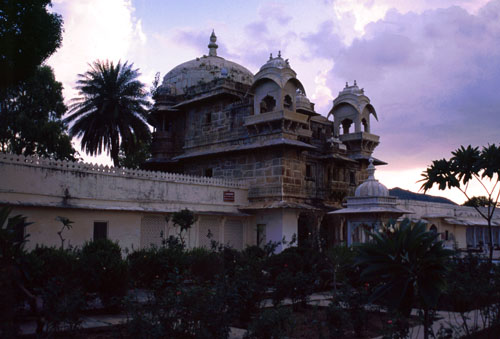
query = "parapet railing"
{"x": 78, "y": 166}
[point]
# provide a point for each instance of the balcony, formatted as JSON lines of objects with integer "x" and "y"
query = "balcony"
{"x": 274, "y": 116}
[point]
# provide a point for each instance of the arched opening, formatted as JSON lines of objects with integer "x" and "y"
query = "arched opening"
{"x": 346, "y": 125}
{"x": 287, "y": 103}
{"x": 433, "y": 229}
{"x": 366, "y": 127}
{"x": 267, "y": 104}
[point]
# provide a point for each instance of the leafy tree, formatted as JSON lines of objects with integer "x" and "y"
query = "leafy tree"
{"x": 134, "y": 154}
{"x": 110, "y": 110}
{"x": 481, "y": 201}
{"x": 468, "y": 165}
{"x": 184, "y": 219}
{"x": 408, "y": 264}
{"x": 29, "y": 34}
{"x": 31, "y": 114}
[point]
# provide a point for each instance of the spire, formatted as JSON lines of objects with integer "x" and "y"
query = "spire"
{"x": 212, "y": 46}
{"x": 371, "y": 170}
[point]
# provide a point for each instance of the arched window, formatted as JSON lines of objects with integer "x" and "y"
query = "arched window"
{"x": 267, "y": 104}
{"x": 366, "y": 128}
{"x": 346, "y": 124}
{"x": 287, "y": 103}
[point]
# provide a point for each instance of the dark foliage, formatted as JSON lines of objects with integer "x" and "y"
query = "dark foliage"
{"x": 105, "y": 272}
{"x": 466, "y": 165}
{"x": 110, "y": 111}
{"x": 31, "y": 113}
{"x": 29, "y": 34}
{"x": 408, "y": 195}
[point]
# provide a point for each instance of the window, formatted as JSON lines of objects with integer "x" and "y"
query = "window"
{"x": 346, "y": 124}
{"x": 352, "y": 178}
{"x": 208, "y": 172}
{"x": 288, "y": 102}
{"x": 208, "y": 118}
{"x": 308, "y": 171}
{"x": 100, "y": 230}
{"x": 267, "y": 104}
{"x": 365, "y": 125}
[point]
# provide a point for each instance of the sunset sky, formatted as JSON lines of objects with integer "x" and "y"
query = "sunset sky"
{"x": 430, "y": 67}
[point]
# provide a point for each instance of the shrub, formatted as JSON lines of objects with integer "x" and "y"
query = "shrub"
{"x": 12, "y": 274}
{"x": 54, "y": 275}
{"x": 337, "y": 319}
{"x": 104, "y": 270}
{"x": 294, "y": 274}
{"x": 204, "y": 265}
{"x": 248, "y": 283}
{"x": 272, "y": 323}
{"x": 183, "y": 311}
{"x": 152, "y": 266}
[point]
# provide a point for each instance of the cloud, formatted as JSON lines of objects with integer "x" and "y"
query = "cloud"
{"x": 94, "y": 29}
{"x": 433, "y": 78}
{"x": 275, "y": 12}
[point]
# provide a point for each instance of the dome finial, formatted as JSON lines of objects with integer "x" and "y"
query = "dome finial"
{"x": 279, "y": 54}
{"x": 212, "y": 46}
{"x": 371, "y": 169}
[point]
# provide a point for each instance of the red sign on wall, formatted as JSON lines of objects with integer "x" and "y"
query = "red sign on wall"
{"x": 228, "y": 196}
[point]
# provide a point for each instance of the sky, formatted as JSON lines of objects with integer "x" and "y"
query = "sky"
{"x": 431, "y": 68}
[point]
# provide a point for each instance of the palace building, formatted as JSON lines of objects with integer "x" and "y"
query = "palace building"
{"x": 246, "y": 152}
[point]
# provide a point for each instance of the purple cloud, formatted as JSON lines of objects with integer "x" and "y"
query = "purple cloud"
{"x": 432, "y": 77}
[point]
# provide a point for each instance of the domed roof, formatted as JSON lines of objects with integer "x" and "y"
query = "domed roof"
{"x": 277, "y": 62}
{"x": 204, "y": 69}
{"x": 371, "y": 187}
{"x": 301, "y": 101}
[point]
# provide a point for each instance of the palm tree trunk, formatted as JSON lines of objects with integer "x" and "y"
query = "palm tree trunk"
{"x": 115, "y": 150}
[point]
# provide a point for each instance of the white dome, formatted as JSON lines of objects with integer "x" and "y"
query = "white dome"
{"x": 301, "y": 101}
{"x": 204, "y": 69}
{"x": 371, "y": 187}
{"x": 277, "y": 62}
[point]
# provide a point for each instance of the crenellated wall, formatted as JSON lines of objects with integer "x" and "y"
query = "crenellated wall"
{"x": 126, "y": 200}
{"x": 34, "y": 181}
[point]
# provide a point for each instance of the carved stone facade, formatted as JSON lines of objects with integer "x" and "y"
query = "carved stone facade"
{"x": 215, "y": 118}
{"x": 247, "y": 153}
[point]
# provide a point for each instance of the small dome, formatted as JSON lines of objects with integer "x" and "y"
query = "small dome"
{"x": 354, "y": 89}
{"x": 277, "y": 62}
{"x": 301, "y": 101}
{"x": 204, "y": 69}
{"x": 371, "y": 187}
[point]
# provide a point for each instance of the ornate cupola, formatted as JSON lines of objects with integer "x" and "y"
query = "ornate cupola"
{"x": 351, "y": 121}
{"x": 369, "y": 209}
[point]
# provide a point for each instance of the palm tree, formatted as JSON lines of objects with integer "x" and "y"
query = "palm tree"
{"x": 408, "y": 265}
{"x": 111, "y": 108}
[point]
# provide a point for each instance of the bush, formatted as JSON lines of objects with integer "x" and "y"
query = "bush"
{"x": 152, "y": 266}
{"x": 294, "y": 274}
{"x": 183, "y": 311}
{"x": 272, "y": 323}
{"x": 337, "y": 319}
{"x": 54, "y": 275}
{"x": 104, "y": 270}
{"x": 204, "y": 265}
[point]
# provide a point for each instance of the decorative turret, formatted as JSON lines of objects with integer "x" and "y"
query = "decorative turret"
{"x": 212, "y": 46}
{"x": 351, "y": 121}
{"x": 371, "y": 187}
